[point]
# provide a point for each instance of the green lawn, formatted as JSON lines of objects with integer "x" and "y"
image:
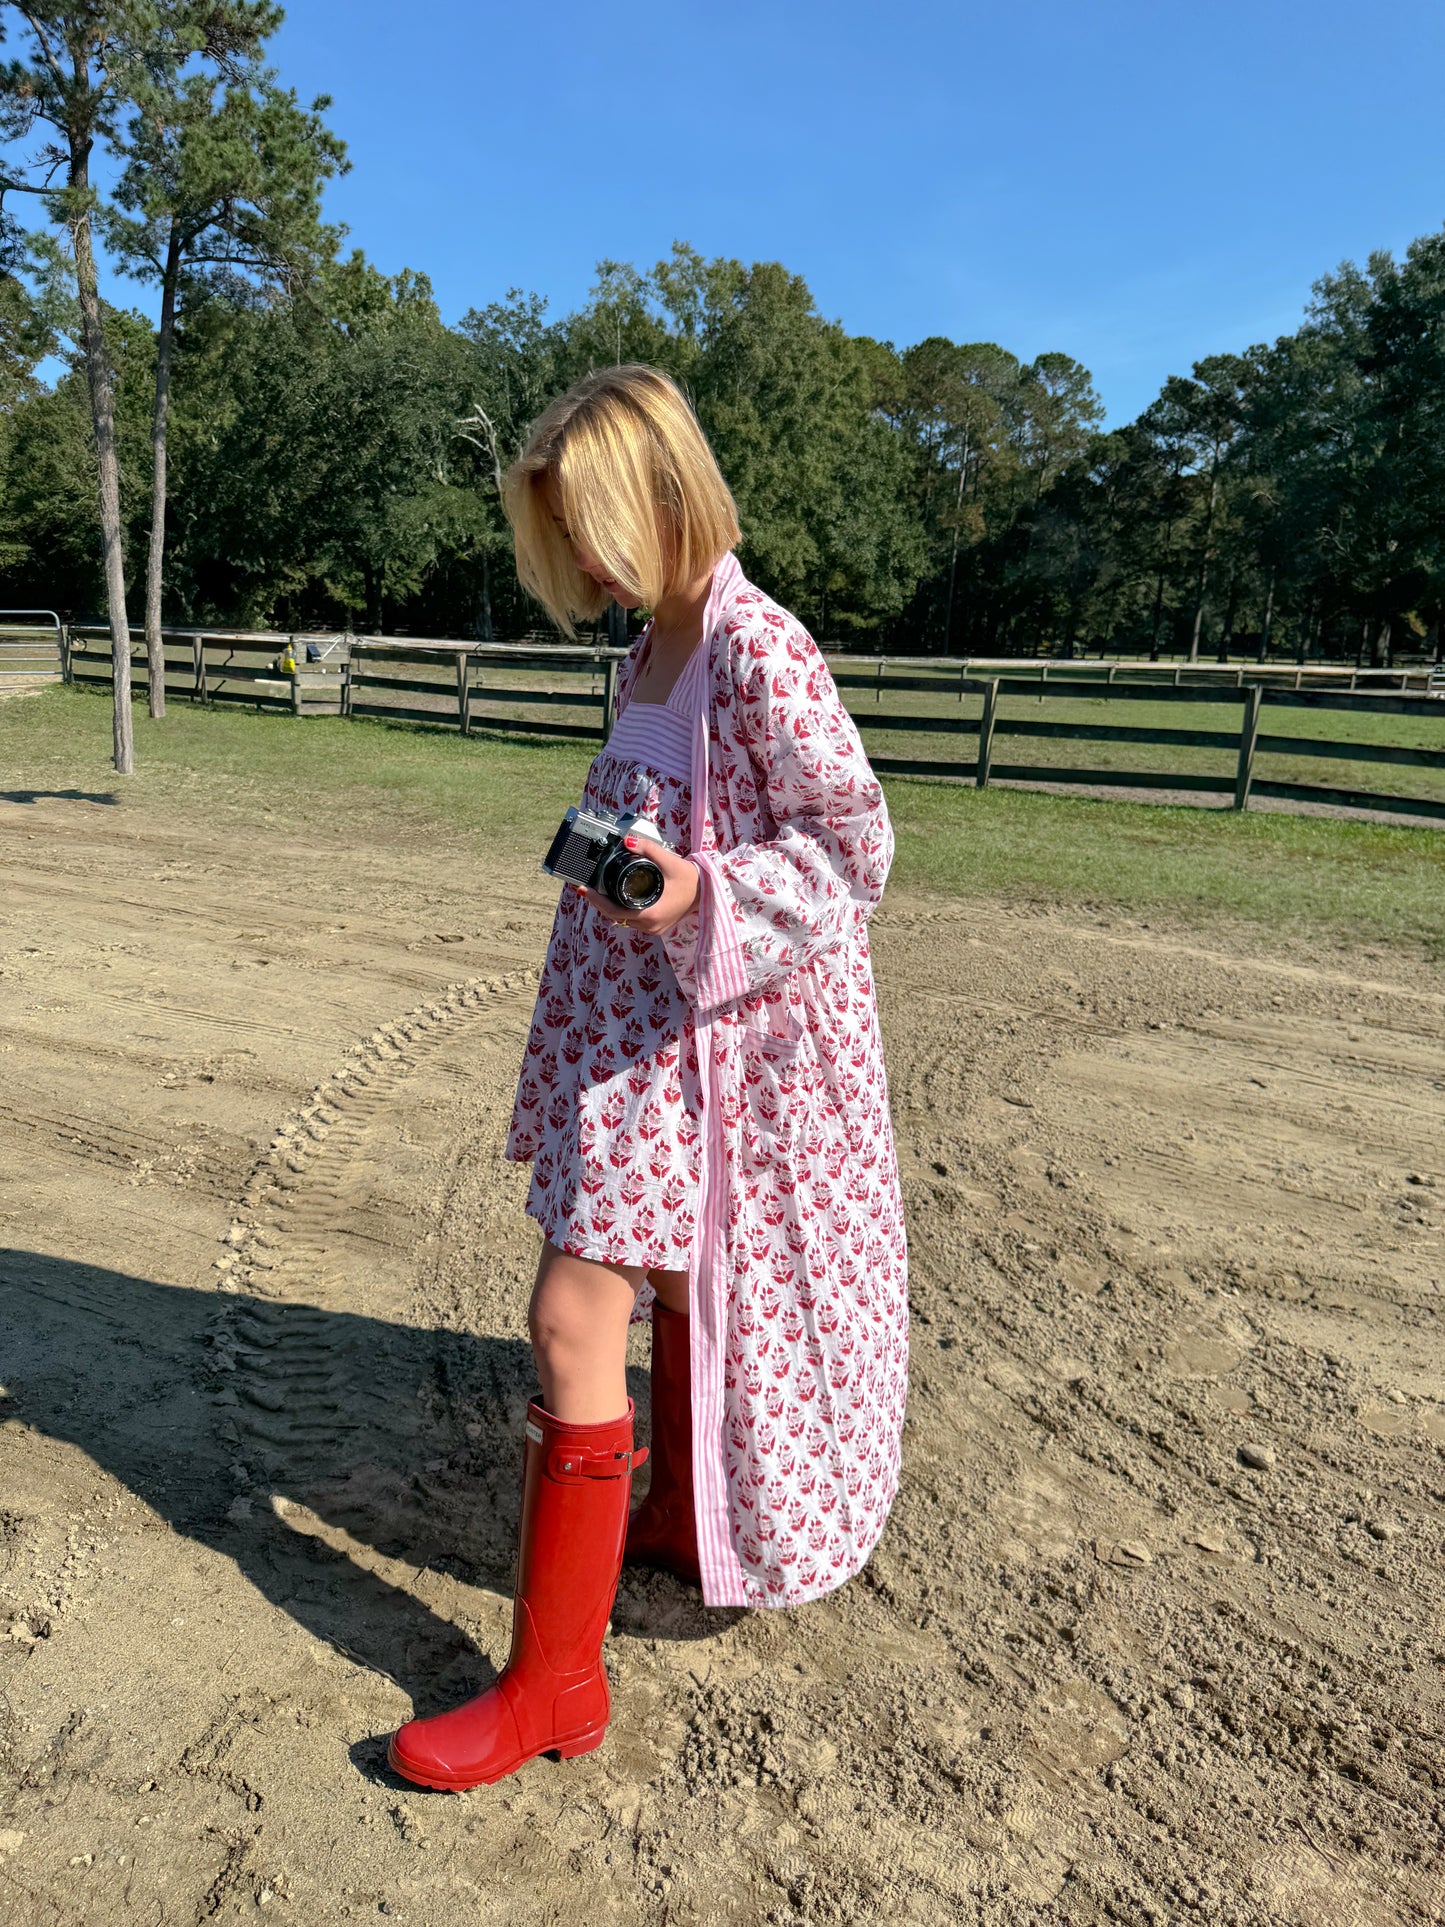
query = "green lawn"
{"x": 1306, "y": 876}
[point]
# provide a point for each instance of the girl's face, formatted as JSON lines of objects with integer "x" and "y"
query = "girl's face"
{"x": 585, "y": 560}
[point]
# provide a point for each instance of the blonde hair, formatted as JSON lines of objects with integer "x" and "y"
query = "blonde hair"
{"x": 637, "y": 486}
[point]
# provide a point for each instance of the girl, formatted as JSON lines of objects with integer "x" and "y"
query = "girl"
{"x": 702, "y": 1101}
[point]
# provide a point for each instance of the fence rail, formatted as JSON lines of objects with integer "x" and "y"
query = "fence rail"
{"x": 32, "y": 648}
{"x": 519, "y": 687}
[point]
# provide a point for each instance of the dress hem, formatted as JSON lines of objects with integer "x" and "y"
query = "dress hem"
{"x": 590, "y": 1254}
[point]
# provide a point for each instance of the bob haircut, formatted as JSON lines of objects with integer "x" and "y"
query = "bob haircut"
{"x": 637, "y": 486}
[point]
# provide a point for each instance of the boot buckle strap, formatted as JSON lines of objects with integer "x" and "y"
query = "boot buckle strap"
{"x": 567, "y": 1464}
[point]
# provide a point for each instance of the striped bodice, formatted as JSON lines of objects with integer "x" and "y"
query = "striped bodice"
{"x": 656, "y": 736}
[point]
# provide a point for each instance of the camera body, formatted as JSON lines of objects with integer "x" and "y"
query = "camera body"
{"x": 589, "y": 848}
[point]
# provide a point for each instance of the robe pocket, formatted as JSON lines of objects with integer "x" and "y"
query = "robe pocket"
{"x": 775, "y": 1077}
{"x": 777, "y": 1046}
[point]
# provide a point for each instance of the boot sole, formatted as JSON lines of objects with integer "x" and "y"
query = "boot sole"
{"x": 464, "y": 1782}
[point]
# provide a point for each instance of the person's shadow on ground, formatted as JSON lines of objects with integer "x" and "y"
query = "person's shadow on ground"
{"x": 211, "y": 1407}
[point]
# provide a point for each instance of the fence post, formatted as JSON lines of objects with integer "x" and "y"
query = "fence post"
{"x": 62, "y": 636}
{"x": 198, "y": 669}
{"x": 1249, "y": 730}
{"x": 985, "y": 735}
{"x": 346, "y": 669}
{"x": 609, "y": 697}
{"x": 464, "y": 693}
{"x": 878, "y": 687}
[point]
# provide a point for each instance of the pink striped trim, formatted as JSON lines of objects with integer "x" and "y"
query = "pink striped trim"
{"x": 724, "y": 1583}
{"x": 721, "y": 972}
{"x": 723, "y": 1580}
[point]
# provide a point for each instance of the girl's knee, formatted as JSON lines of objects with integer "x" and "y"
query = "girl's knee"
{"x": 554, "y": 1321}
{"x": 575, "y": 1305}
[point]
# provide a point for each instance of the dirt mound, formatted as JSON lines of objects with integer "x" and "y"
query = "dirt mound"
{"x": 1153, "y": 1635}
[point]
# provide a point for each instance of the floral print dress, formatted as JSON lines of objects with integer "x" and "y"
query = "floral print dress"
{"x": 607, "y": 1101}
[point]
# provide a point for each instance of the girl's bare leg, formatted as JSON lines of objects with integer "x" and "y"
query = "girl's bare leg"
{"x": 578, "y": 1320}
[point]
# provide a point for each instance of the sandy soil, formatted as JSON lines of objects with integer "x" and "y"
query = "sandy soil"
{"x": 1155, "y": 1633}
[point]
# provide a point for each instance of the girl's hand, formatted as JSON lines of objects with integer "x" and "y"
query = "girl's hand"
{"x": 680, "y": 885}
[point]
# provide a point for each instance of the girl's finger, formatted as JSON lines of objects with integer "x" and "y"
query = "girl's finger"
{"x": 604, "y": 906}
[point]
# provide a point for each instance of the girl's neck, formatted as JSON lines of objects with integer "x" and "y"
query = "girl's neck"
{"x": 677, "y": 619}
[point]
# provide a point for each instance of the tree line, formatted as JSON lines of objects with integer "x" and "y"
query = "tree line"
{"x": 302, "y": 441}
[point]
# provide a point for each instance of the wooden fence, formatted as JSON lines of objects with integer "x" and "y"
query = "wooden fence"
{"x": 470, "y": 686}
{"x": 1245, "y": 740}
{"x": 478, "y": 686}
{"x": 566, "y": 691}
{"x": 219, "y": 666}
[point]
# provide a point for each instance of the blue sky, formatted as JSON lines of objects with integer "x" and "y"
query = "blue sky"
{"x": 1136, "y": 184}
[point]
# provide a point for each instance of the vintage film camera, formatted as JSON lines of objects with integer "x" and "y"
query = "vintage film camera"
{"x": 589, "y": 849}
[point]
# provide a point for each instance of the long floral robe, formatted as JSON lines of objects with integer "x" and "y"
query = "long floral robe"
{"x": 798, "y": 1276}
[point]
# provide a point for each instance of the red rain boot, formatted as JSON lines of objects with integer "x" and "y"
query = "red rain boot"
{"x": 663, "y": 1530}
{"x": 552, "y": 1698}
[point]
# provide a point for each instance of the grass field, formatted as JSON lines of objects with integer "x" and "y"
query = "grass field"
{"x": 1316, "y": 876}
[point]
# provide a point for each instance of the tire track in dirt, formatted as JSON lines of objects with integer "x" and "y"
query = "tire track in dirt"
{"x": 131, "y": 1147}
{"x": 292, "y": 1247}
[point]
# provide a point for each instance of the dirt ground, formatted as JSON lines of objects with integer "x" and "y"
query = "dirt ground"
{"x": 1154, "y": 1634}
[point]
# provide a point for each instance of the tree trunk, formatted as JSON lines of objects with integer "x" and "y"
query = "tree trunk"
{"x": 1268, "y": 619}
{"x": 1159, "y": 593}
{"x": 1226, "y": 634}
{"x": 1158, "y": 610}
{"x": 1204, "y": 565}
{"x": 1194, "y": 633}
{"x": 102, "y": 415}
{"x": 1071, "y": 628}
{"x": 953, "y": 558}
{"x": 165, "y": 339}
{"x": 1107, "y": 641}
{"x": 1386, "y": 649}
{"x": 371, "y": 583}
{"x": 484, "y": 609}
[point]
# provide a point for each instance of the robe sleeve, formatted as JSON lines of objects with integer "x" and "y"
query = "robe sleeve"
{"x": 768, "y": 906}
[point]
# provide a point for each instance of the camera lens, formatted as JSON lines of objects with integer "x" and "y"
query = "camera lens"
{"x": 635, "y": 883}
